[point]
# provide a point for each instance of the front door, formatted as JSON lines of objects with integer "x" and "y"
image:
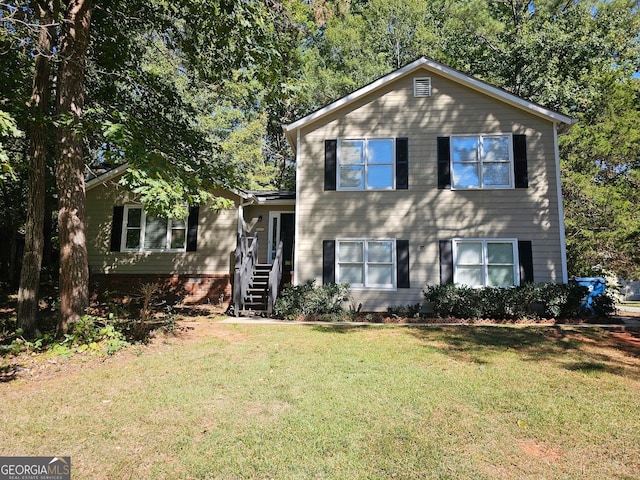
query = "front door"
{"x": 282, "y": 228}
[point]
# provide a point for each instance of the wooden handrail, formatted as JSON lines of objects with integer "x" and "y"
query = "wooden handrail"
{"x": 245, "y": 259}
{"x": 275, "y": 276}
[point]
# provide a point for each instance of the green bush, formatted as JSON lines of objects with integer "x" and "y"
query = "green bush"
{"x": 93, "y": 335}
{"x": 90, "y": 334}
{"x": 309, "y": 300}
{"x": 604, "y": 305}
{"x": 543, "y": 300}
{"x": 451, "y": 300}
{"x": 408, "y": 311}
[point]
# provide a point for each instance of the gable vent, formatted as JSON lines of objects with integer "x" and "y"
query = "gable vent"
{"x": 422, "y": 87}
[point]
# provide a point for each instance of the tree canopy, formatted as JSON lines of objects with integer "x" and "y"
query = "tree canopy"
{"x": 192, "y": 94}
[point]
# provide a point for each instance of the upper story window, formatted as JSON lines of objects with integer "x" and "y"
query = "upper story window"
{"x": 485, "y": 263}
{"x": 481, "y": 162}
{"x": 141, "y": 232}
{"x": 366, "y": 164}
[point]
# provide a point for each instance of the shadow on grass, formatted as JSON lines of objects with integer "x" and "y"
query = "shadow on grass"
{"x": 497, "y": 338}
{"x": 340, "y": 328}
{"x": 583, "y": 350}
{"x": 587, "y": 367}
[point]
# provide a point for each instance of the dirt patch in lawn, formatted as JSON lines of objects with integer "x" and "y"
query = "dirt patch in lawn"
{"x": 540, "y": 450}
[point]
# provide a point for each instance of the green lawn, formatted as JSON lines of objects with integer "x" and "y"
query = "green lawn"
{"x": 307, "y": 402}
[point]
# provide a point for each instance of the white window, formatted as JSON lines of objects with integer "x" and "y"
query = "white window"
{"x": 486, "y": 263}
{"x": 141, "y": 232}
{"x": 366, "y": 164}
{"x": 366, "y": 263}
{"x": 481, "y": 161}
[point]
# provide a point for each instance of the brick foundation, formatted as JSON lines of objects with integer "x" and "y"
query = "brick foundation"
{"x": 196, "y": 288}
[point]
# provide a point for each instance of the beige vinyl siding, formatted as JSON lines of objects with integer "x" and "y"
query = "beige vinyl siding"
{"x": 423, "y": 214}
{"x": 214, "y": 255}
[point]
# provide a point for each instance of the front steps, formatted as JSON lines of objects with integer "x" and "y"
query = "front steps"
{"x": 257, "y": 295}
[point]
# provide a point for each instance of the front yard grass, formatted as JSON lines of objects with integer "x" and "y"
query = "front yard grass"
{"x": 377, "y": 402}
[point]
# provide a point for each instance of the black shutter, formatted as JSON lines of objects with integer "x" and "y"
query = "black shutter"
{"x": 525, "y": 256}
{"x": 330, "y": 164}
{"x": 446, "y": 261}
{"x": 328, "y": 261}
{"x": 402, "y": 163}
{"x": 520, "y": 161}
{"x": 192, "y": 229}
{"x": 116, "y": 228}
{"x": 402, "y": 255}
{"x": 444, "y": 163}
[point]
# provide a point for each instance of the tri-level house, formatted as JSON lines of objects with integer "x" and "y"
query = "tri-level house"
{"x": 426, "y": 175}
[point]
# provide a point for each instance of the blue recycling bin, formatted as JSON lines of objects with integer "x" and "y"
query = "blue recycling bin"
{"x": 596, "y": 286}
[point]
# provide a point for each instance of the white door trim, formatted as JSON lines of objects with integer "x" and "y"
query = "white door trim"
{"x": 275, "y": 214}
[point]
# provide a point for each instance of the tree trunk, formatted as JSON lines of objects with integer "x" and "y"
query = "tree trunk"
{"x": 74, "y": 269}
{"x": 34, "y": 233}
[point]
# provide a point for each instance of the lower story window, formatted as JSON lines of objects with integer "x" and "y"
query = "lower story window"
{"x": 485, "y": 262}
{"x": 366, "y": 263}
{"x": 142, "y": 232}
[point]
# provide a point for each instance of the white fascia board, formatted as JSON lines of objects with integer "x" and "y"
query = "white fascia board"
{"x": 249, "y": 197}
{"x": 447, "y": 72}
{"x": 499, "y": 94}
{"x": 101, "y": 179}
{"x": 276, "y": 202}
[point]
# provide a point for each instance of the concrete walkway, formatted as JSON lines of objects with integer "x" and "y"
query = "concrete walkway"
{"x": 626, "y": 322}
{"x": 627, "y": 308}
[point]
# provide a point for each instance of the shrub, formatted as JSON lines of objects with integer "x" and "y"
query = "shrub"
{"x": 562, "y": 300}
{"x": 604, "y": 305}
{"x": 90, "y": 334}
{"x": 408, "y": 311}
{"x": 451, "y": 300}
{"x": 309, "y": 300}
{"x": 556, "y": 300}
{"x": 94, "y": 335}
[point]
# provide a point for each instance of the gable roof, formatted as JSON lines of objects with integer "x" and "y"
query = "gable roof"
{"x": 562, "y": 122}
{"x": 93, "y": 179}
{"x": 100, "y": 176}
